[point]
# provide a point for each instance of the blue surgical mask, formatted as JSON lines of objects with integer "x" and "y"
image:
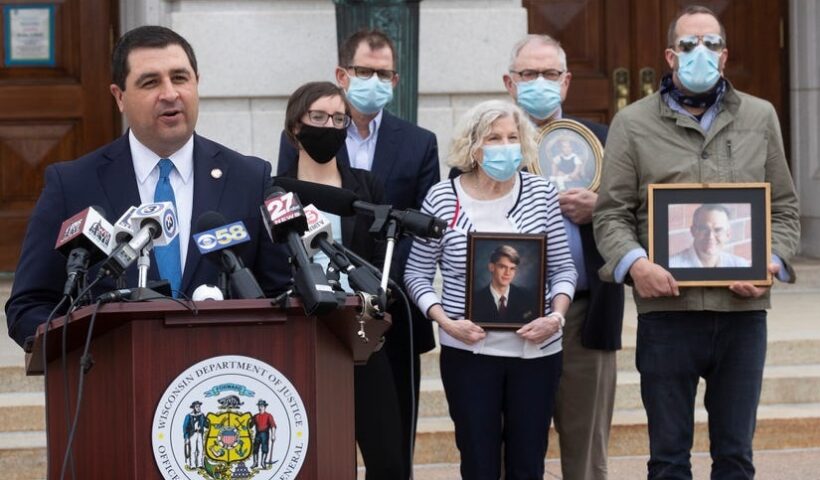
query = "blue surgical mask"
{"x": 540, "y": 97}
{"x": 501, "y": 161}
{"x": 369, "y": 95}
{"x": 698, "y": 70}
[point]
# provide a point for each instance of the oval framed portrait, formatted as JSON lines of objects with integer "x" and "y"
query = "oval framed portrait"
{"x": 569, "y": 155}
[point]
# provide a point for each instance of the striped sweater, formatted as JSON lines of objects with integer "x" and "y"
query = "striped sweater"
{"x": 535, "y": 211}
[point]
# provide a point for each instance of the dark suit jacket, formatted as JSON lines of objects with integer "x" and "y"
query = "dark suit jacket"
{"x": 406, "y": 164}
{"x": 603, "y": 323}
{"x": 522, "y": 306}
{"x": 106, "y": 178}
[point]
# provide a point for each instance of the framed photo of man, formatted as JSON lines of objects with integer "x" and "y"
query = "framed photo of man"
{"x": 569, "y": 155}
{"x": 711, "y": 234}
{"x": 505, "y": 278}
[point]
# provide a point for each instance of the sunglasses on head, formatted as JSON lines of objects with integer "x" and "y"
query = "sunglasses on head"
{"x": 712, "y": 41}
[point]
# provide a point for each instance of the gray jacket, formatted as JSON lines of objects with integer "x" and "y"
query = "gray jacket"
{"x": 651, "y": 143}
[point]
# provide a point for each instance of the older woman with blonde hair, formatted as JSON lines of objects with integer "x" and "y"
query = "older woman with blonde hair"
{"x": 500, "y": 384}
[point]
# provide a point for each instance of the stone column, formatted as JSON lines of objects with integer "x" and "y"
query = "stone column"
{"x": 804, "y": 25}
{"x": 399, "y": 19}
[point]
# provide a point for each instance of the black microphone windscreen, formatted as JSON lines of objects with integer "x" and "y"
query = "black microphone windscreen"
{"x": 329, "y": 199}
{"x": 210, "y": 220}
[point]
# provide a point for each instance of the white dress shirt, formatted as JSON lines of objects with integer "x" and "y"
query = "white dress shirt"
{"x": 147, "y": 171}
{"x": 360, "y": 150}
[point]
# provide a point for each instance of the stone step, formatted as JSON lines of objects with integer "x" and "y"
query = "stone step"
{"x": 781, "y": 385}
{"x": 22, "y": 412}
{"x": 802, "y": 463}
{"x": 14, "y": 379}
{"x": 779, "y": 426}
{"x": 23, "y": 455}
{"x": 778, "y": 353}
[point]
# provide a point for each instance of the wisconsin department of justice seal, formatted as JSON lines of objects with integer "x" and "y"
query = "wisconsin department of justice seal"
{"x": 227, "y": 418}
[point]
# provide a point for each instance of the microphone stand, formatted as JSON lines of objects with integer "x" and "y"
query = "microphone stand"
{"x": 143, "y": 264}
{"x": 388, "y": 227}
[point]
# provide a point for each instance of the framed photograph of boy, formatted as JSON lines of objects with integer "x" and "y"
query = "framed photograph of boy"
{"x": 569, "y": 155}
{"x": 711, "y": 234}
{"x": 505, "y": 278}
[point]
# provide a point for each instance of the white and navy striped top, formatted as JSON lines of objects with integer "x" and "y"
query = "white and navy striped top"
{"x": 535, "y": 211}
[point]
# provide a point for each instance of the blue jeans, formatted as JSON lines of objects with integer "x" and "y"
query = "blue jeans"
{"x": 675, "y": 349}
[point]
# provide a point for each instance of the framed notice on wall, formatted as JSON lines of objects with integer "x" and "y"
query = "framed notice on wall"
{"x": 29, "y": 35}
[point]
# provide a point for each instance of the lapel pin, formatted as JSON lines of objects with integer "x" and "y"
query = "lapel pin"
{"x": 216, "y": 173}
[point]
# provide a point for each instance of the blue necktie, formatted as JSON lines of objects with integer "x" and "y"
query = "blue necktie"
{"x": 168, "y": 260}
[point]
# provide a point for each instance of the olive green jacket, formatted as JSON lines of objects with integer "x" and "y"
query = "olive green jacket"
{"x": 651, "y": 143}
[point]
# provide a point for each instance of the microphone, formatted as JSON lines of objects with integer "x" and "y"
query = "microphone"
{"x": 84, "y": 239}
{"x": 319, "y": 237}
{"x": 345, "y": 203}
{"x": 123, "y": 230}
{"x": 215, "y": 242}
{"x": 154, "y": 224}
{"x": 285, "y": 222}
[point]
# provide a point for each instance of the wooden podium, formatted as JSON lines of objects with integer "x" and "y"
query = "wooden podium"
{"x": 140, "y": 348}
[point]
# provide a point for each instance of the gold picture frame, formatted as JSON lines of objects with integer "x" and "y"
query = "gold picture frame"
{"x": 569, "y": 155}
{"x": 711, "y": 234}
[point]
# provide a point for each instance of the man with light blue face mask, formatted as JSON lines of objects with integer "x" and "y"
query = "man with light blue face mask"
{"x": 538, "y": 79}
{"x": 404, "y": 157}
{"x": 696, "y": 129}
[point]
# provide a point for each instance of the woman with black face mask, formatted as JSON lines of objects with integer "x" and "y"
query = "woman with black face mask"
{"x": 316, "y": 122}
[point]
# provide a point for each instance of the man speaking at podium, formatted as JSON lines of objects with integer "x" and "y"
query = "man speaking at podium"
{"x": 160, "y": 158}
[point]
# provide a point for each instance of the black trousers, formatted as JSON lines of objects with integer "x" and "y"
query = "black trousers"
{"x": 497, "y": 401}
{"x": 378, "y": 422}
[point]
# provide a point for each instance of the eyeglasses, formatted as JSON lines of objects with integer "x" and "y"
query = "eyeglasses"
{"x": 319, "y": 118}
{"x": 712, "y": 41}
{"x": 548, "y": 74}
{"x": 702, "y": 230}
{"x": 367, "y": 72}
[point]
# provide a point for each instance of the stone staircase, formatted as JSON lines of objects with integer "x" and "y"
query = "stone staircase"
{"x": 788, "y": 418}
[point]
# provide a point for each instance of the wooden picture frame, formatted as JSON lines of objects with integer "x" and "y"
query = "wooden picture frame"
{"x": 711, "y": 234}
{"x": 569, "y": 155}
{"x": 490, "y": 257}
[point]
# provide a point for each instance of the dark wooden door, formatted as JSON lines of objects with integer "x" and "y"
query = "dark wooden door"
{"x": 615, "y": 48}
{"x": 52, "y": 113}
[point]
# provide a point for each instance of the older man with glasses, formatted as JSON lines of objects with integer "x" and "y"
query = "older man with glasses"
{"x": 539, "y": 80}
{"x": 696, "y": 129}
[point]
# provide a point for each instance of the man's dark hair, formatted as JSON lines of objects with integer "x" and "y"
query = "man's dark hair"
{"x": 301, "y": 100}
{"x": 148, "y": 36}
{"x": 376, "y": 39}
{"x": 691, "y": 10}
{"x": 505, "y": 251}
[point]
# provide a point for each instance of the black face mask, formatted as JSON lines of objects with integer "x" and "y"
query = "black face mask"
{"x": 321, "y": 143}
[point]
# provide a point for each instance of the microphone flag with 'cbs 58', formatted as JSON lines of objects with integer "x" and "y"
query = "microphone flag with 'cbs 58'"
{"x": 220, "y": 237}
{"x": 216, "y": 241}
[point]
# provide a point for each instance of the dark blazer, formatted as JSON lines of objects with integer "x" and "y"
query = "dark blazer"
{"x": 106, "y": 178}
{"x": 522, "y": 306}
{"x": 604, "y": 319}
{"x": 406, "y": 163}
